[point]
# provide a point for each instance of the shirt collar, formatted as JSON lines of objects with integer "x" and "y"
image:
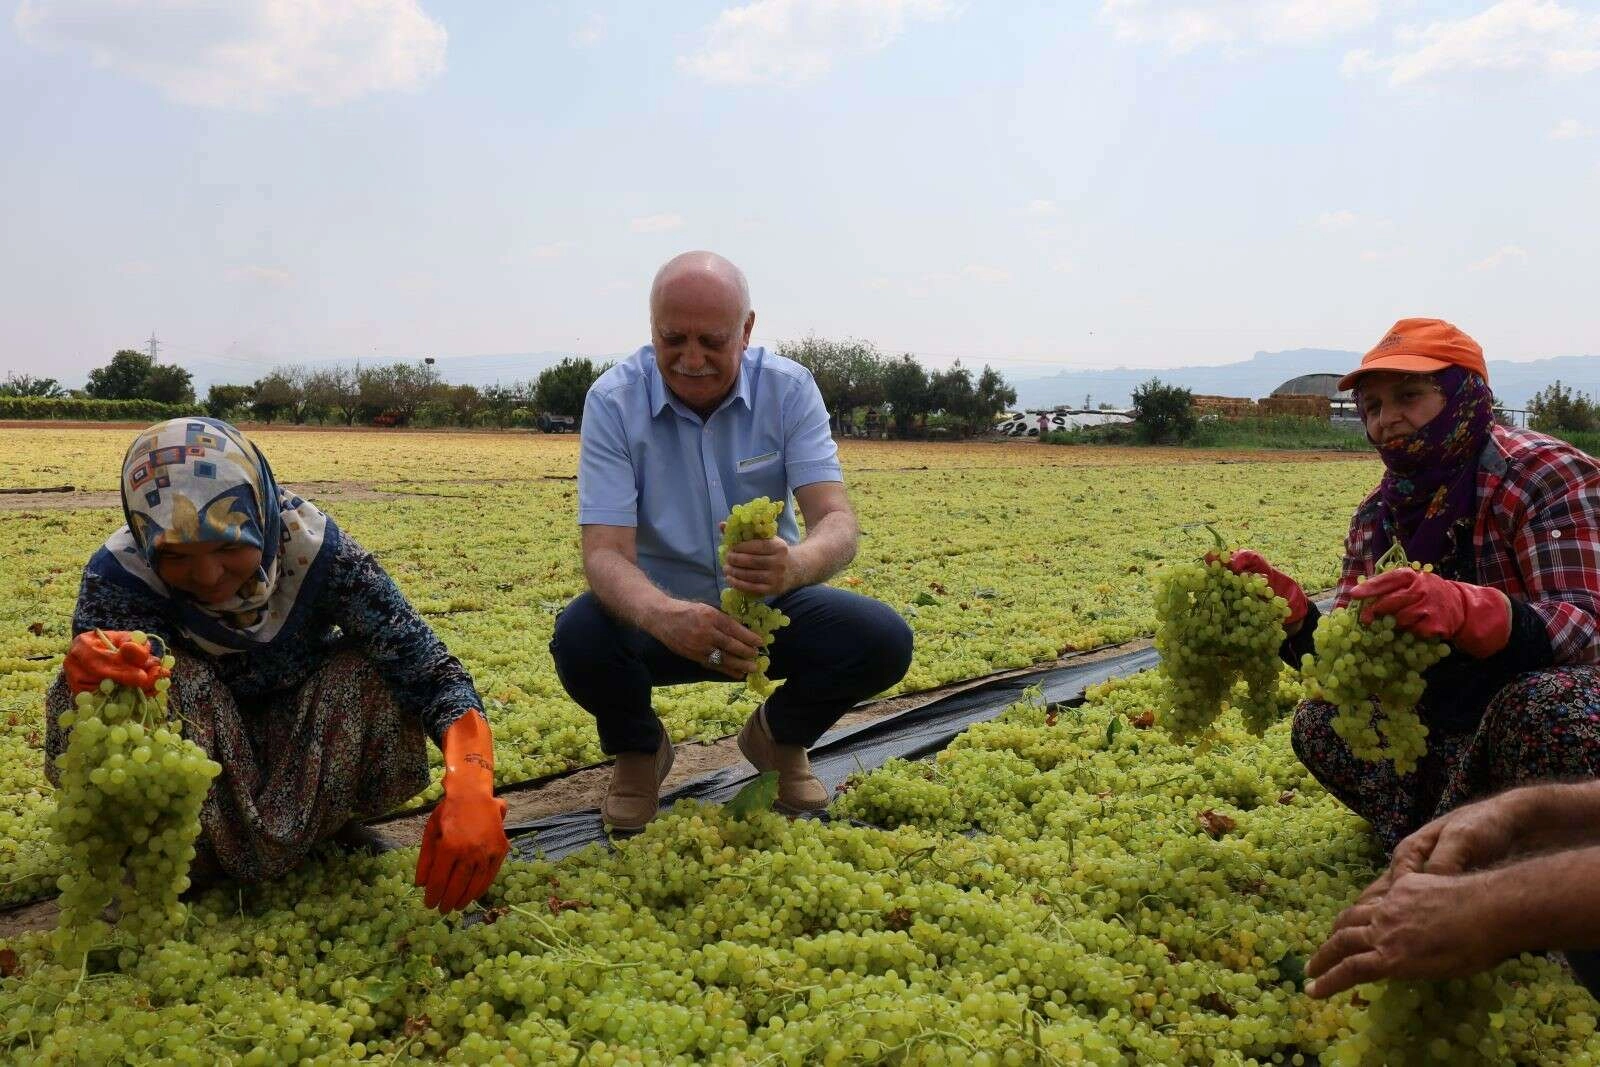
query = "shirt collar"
{"x": 662, "y": 397}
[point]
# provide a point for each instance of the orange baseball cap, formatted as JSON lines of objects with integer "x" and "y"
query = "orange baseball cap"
{"x": 1421, "y": 346}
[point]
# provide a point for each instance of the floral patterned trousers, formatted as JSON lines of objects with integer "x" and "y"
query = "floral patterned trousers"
{"x": 1543, "y": 726}
{"x": 295, "y": 768}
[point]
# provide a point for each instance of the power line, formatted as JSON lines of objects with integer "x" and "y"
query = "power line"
{"x": 155, "y": 346}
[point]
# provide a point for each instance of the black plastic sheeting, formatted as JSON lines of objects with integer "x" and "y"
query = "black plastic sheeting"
{"x": 841, "y": 753}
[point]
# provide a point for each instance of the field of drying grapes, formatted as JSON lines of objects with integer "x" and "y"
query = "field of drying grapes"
{"x": 1060, "y": 886}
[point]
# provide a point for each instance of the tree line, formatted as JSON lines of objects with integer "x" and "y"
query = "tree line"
{"x": 858, "y": 385}
{"x": 853, "y": 375}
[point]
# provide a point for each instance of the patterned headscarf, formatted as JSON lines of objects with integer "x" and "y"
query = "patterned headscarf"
{"x": 1430, "y": 483}
{"x": 197, "y": 480}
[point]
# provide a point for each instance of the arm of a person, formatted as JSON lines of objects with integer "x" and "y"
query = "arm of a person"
{"x": 425, "y": 679}
{"x": 610, "y": 563}
{"x": 1546, "y": 901}
{"x": 1487, "y": 832}
{"x": 103, "y": 604}
{"x": 831, "y": 537}
{"x": 1557, "y": 548}
{"x": 689, "y": 628}
{"x": 107, "y": 604}
{"x": 811, "y": 465}
{"x": 1532, "y": 818}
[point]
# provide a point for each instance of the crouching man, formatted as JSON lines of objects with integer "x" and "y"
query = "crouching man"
{"x": 672, "y": 438}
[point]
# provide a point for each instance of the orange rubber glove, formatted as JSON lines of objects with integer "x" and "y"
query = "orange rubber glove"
{"x": 464, "y": 842}
{"x": 91, "y": 660}
{"x": 1475, "y": 619}
{"x": 1248, "y": 561}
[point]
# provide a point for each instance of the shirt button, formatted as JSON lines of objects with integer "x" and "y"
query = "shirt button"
{"x": 1555, "y": 533}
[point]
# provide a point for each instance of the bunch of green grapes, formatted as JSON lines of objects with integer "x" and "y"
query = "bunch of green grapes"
{"x": 1356, "y": 664}
{"x": 1415, "y": 1024}
{"x": 127, "y": 813}
{"x": 1214, "y": 629}
{"x": 754, "y": 520}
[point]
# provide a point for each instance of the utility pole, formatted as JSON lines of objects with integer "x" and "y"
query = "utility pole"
{"x": 155, "y": 346}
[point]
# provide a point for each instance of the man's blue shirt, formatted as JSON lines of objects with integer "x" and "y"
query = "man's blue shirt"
{"x": 649, "y": 462}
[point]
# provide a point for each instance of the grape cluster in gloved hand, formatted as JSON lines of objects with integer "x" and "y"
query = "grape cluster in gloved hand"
{"x": 1474, "y": 618}
{"x": 464, "y": 842}
{"x": 114, "y": 655}
{"x": 1249, "y": 561}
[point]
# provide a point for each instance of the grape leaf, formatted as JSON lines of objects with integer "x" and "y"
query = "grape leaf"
{"x": 1113, "y": 728}
{"x": 925, "y": 599}
{"x": 755, "y": 797}
{"x": 1291, "y": 968}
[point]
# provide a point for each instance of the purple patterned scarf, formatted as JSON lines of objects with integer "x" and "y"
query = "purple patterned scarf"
{"x": 1430, "y": 481}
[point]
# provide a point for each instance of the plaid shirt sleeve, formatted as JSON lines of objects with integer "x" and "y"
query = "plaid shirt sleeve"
{"x": 1357, "y": 557}
{"x": 1545, "y": 538}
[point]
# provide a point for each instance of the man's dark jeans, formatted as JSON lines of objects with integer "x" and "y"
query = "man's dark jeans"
{"x": 838, "y": 649}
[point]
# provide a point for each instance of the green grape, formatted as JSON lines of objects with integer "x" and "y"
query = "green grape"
{"x": 753, "y": 520}
{"x": 1216, "y": 629}
{"x": 127, "y": 815}
{"x": 1415, "y": 1024}
{"x": 1372, "y": 674}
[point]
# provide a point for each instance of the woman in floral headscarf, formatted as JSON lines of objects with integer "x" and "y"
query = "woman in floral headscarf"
{"x": 301, "y": 669}
{"x": 1510, "y": 521}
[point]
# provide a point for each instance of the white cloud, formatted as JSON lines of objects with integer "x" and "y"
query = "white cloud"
{"x": 591, "y": 33}
{"x": 656, "y": 223}
{"x": 553, "y": 250}
{"x": 247, "y": 53}
{"x": 1043, "y": 209}
{"x": 792, "y": 41}
{"x": 273, "y": 276}
{"x": 985, "y": 274}
{"x": 1185, "y": 25}
{"x": 1512, "y": 35}
{"x": 1503, "y": 256}
{"x": 1568, "y": 130}
{"x": 1334, "y": 221}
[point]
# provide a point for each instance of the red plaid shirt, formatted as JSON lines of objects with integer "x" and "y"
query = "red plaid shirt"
{"x": 1536, "y": 536}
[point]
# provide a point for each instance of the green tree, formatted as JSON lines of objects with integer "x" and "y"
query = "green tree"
{"x": 560, "y": 389}
{"x": 503, "y": 401}
{"x": 227, "y": 401}
{"x": 906, "y": 391}
{"x": 1164, "y": 412}
{"x": 274, "y": 395}
{"x": 169, "y": 384}
{"x": 28, "y": 385}
{"x": 1556, "y": 408}
{"x": 121, "y": 379}
{"x": 849, "y": 374}
{"x": 132, "y": 375}
{"x": 993, "y": 396}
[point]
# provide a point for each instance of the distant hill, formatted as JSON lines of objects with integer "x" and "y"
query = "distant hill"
{"x": 1257, "y": 376}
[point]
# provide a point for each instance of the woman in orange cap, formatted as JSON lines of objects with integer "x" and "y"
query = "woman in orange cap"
{"x": 1510, "y": 521}
{"x": 300, "y": 668}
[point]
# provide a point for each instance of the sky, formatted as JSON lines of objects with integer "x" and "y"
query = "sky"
{"x": 1086, "y": 183}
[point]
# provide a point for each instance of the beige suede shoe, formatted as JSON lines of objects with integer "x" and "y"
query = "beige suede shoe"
{"x": 799, "y": 790}
{"x": 636, "y": 780}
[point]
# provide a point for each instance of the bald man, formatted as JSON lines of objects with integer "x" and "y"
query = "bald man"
{"x": 672, "y": 438}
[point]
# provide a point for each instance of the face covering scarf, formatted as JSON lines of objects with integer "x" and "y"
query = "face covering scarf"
{"x": 1429, "y": 488}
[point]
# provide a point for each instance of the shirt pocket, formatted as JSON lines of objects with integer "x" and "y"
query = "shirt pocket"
{"x": 758, "y": 462}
